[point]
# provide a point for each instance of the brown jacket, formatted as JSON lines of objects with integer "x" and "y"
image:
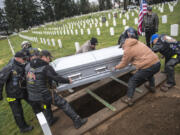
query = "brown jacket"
{"x": 138, "y": 54}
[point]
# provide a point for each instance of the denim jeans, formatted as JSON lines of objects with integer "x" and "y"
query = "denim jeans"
{"x": 141, "y": 76}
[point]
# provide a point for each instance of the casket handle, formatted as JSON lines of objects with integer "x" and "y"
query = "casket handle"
{"x": 101, "y": 69}
{"x": 75, "y": 76}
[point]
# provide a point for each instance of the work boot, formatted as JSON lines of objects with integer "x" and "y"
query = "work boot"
{"x": 79, "y": 122}
{"x": 26, "y": 129}
{"x": 127, "y": 100}
{"x": 150, "y": 88}
{"x": 53, "y": 121}
{"x": 166, "y": 87}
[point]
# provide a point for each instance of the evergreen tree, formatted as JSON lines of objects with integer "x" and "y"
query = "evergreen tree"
{"x": 48, "y": 9}
{"x": 3, "y": 22}
{"x": 85, "y": 6}
{"x": 101, "y": 5}
{"x": 108, "y": 4}
{"x": 12, "y": 10}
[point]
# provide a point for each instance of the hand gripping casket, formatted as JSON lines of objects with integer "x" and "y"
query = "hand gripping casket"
{"x": 89, "y": 67}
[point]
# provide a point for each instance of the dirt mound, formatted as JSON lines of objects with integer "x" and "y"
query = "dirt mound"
{"x": 153, "y": 116}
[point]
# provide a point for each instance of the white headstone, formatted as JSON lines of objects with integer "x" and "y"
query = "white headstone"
{"x": 112, "y": 31}
{"x": 90, "y": 25}
{"x": 68, "y": 32}
{"x": 77, "y": 46}
{"x": 114, "y": 22}
{"x": 109, "y": 15}
{"x": 120, "y": 15}
{"x": 162, "y": 10}
{"x": 60, "y": 43}
{"x": 132, "y": 13}
{"x": 107, "y": 24}
{"x": 41, "y": 40}
{"x": 100, "y": 24}
{"x": 82, "y": 32}
{"x": 88, "y": 31}
{"x": 48, "y": 41}
{"x": 64, "y": 32}
{"x": 72, "y": 32}
{"x": 53, "y": 42}
{"x": 95, "y": 24}
{"x": 76, "y": 31}
{"x": 126, "y": 27}
{"x": 136, "y": 21}
{"x": 164, "y": 19}
{"x": 127, "y": 16}
{"x": 174, "y": 29}
{"x": 98, "y": 32}
{"x": 124, "y": 21}
{"x": 43, "y": 123}
{"x": 44, "y": 40}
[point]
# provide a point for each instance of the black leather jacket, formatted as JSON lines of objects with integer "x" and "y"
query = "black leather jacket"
{"x": 38, "y": 79}
{"x": 165, "y": 47}
{"x": 16, "y": 84}
{"x": 150, "y": 23}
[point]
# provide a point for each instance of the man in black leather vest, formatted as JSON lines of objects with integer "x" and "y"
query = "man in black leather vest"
{"x": 39, "y": 80}
{"x": 150, "y": 24}
{"x": 16, "y": 91}
{"x": 170, "y": 49}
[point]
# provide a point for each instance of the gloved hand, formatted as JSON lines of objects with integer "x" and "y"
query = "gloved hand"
{"x": 113, "y": 69}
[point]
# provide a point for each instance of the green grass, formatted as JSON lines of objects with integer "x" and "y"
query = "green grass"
{"x": 7, "y": 124}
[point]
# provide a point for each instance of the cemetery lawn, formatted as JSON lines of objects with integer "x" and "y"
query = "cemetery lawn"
{"x": 7, "y": 124}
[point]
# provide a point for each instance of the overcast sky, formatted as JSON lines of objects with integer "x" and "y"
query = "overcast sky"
{"x": 1, "y": 3}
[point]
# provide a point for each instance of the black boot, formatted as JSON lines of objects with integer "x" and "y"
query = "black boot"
{"x": 53, "y": 121}
{"x": 26, "y": 129}
{"x": 150, "y": 88}
{"x": 79, "y": 122}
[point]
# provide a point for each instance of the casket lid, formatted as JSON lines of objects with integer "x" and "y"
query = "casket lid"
{"x": 86, "y": 58}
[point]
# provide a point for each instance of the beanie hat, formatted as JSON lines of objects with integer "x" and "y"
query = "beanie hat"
{"x": 93, "y": 41}
{"x": 154, "y": 36}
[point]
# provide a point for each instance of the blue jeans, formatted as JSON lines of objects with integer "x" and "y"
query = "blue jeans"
{"x": 141, "y": 76}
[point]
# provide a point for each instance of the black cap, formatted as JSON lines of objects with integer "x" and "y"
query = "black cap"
{"x": 45, "y": 53}
{"x": 149, "y": 8}
{"x": 20, "y": 54}
{"x": 94, "y": 41}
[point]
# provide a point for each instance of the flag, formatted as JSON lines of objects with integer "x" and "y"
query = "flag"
{"x": 143, "y": 11}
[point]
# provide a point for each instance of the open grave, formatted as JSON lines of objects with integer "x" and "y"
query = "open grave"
{"x": 98, "y": 102}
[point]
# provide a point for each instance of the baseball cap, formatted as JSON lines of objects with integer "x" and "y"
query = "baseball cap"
{"x": 45, "y": 53}
{"x": 20, "y": 54}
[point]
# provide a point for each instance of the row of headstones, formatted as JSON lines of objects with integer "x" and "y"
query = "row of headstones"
{"x": 96, "y": 22}
{"x": 68, "y": 32}
{"x": 43, "y": 40}
{"x": 173, "y": 29}
{"x": 76, "y": 31}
